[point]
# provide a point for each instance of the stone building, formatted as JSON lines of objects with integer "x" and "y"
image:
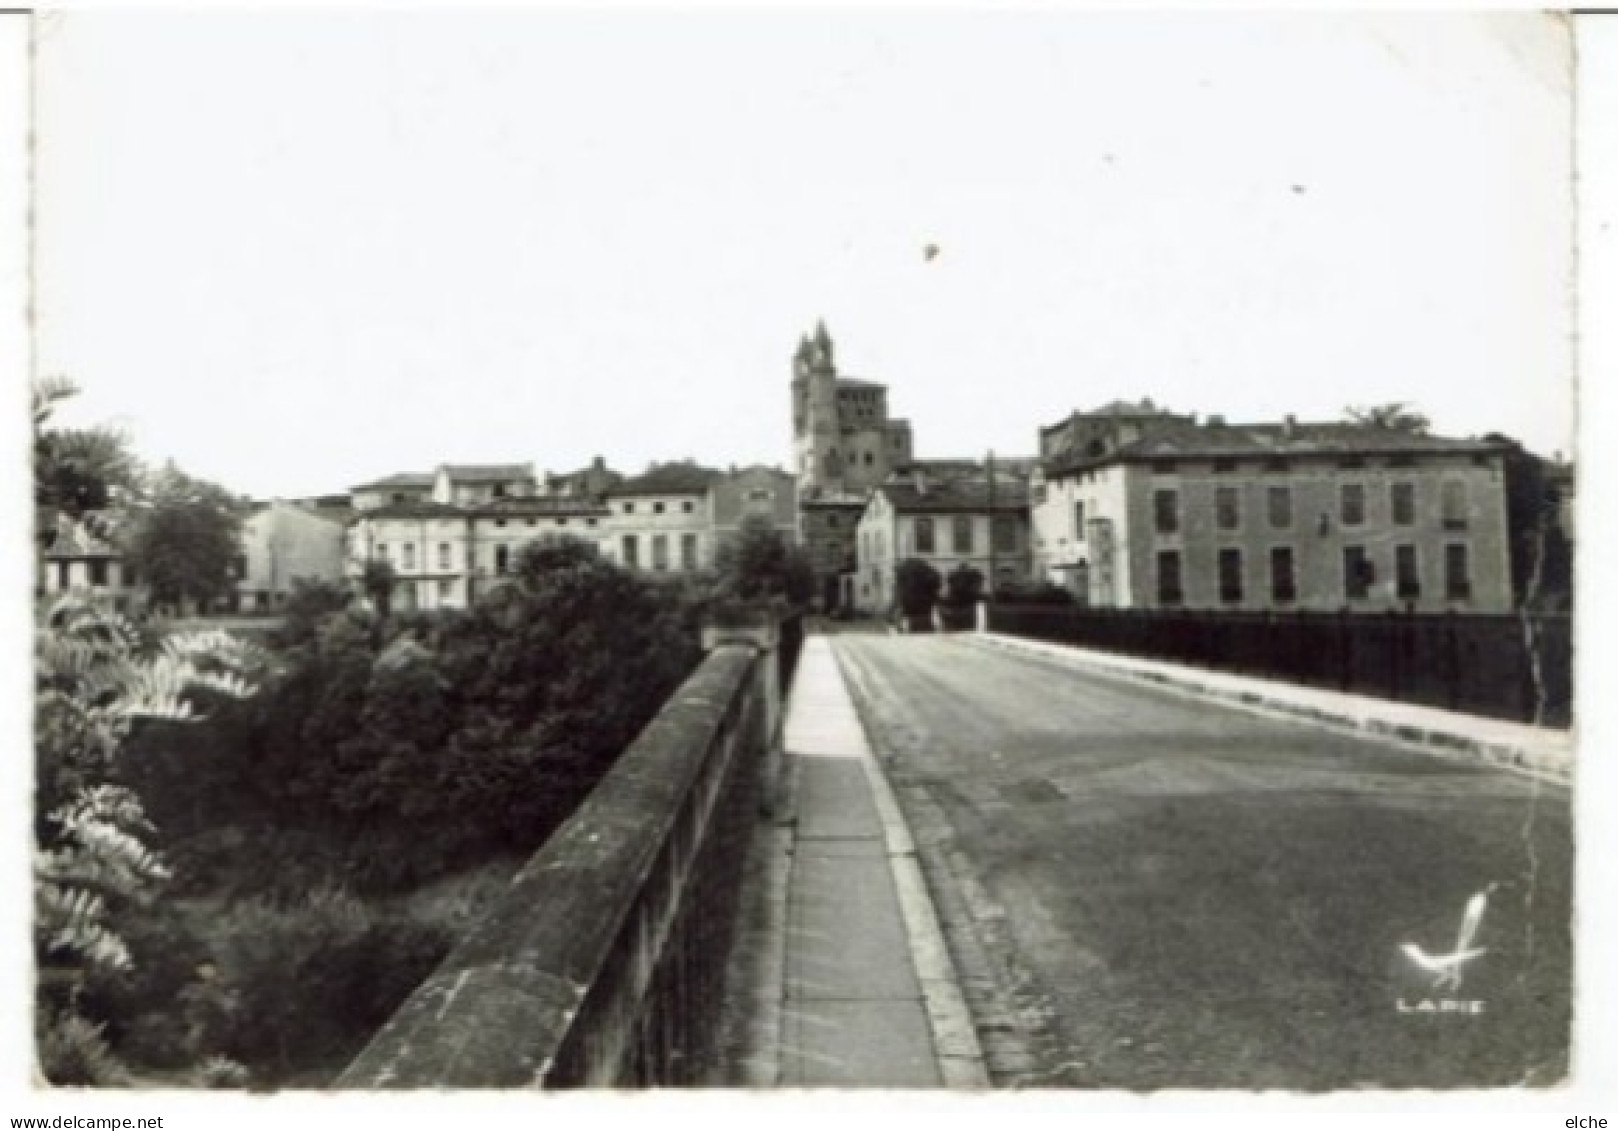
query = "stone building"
{"x": 844, "y": 443}
{"x": 1136, "y": 507}
{"x": 970, "y": 521}
{"x": 756, "y": 492}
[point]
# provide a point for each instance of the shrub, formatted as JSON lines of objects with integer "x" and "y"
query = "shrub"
{"x": 917, "y": 584}
{"x": 298, "y": 990}
{"x": 964, "y": 586}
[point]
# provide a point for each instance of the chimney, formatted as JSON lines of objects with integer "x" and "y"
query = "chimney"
{"x": 920, "y": 478}
{"x": 1290, "y": 426}
{"x": 599, "y": 463}
{"x": 1215, "y": 420}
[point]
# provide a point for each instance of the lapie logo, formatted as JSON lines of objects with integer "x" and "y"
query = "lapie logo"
{"x": 1447, "y": 969}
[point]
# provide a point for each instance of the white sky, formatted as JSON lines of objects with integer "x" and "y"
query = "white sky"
{"x": 297, "y": 251}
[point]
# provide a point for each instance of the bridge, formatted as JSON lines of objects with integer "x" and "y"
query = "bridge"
{"x": 976, "y": 859}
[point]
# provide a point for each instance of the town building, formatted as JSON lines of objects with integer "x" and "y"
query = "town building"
{"x": 84, "y": 555}
{"x": 756, "y": 493}
{"x": 281, "y": 543}
{"x": 662, "y": 521}
{"x": 979, "y": 521}
{"x": 445, "y": 556}
{"x": 1137, "y": 507}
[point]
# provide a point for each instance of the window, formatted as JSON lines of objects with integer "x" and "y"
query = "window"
{"x": 409, "y": 557}
{"x": 1454, "y": 505}
{"x": 1005, "y": 533}
{"x": 502, "y": 558}
{"x": 1403, "y": 497}
{"x": 924, "y": 536}
{"x": 1225, "y": 466}
{"x": 589, "y": 522}
{"x": 1352, "y": 504}
{"x": 499, "y": 522}
{"x": 498, "y": 490}
{"x": 1457, "y": 576}
{"x": 660, "y": 551}
{"x": 1277, "y": 463}
{"x": 1227, "y": 508}
{"x": 1406, "y": 573}
{"x": 381, "y": 551}
{"x": 657, "y": 508}
{"x": 1230, "y": 576}
{"x": 1283, "y": 575}
{"x": 533, "y": 522}
{"x": 443, "y": 555}
{"x": 688, "y": 551}
{"x": 1351, "y": 462}
{"x": 1166, "y": 511}
{"x": 688, "y": 506}
{"x": 961, "y": 534}
{"x": 1078, "y": 521}
{"x": 1164, "y": 467}
{"x": 631, "y": 551}
{"x": 1358, "y": 573}
{"x": 64, "y": 575}
{"x": 131, "y": 578}
{"x": 98, "y": 572}
{"x": 1168, "y": 578}
{"x": 868, "y": 459}
{"x": 1280, "y": 507}
{"x": 629, "y": 508}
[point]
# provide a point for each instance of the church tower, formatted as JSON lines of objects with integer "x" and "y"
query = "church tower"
{"x": 815, "y": 427}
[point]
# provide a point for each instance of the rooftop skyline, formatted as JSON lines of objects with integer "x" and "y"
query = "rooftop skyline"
{"x": 343, "y": 246}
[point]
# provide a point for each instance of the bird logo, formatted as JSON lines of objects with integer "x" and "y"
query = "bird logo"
{"x": 1446, "y": 968}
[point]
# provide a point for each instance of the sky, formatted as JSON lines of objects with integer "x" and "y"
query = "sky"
{"x": 294, "y": 252}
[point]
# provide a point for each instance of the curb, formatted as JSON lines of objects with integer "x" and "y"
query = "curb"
{"x": 1515, "y": 756}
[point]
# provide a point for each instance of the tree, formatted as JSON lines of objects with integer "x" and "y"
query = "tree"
{"x": 1394, "y": 417}
{"x": 1540, "y": 550}
{"x": 186, "y": 540}
{"x": 759, "y": 564}
{"x": 917, "y": 584}
{"x": 379, "y": 579}
{"x": 93, "y": 682}
{"x": 965, "y": 586}
{"x": 77, "y": 471}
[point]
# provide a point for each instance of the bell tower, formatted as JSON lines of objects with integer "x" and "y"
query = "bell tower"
{"x": 814, "y": 415}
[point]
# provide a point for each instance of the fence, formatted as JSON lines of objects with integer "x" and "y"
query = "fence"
{"x": 603, "y": 962}
{"x": 1502, "y": 666}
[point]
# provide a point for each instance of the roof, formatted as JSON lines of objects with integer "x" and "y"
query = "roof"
{"x": 958, "y": 496}
{"x": 500, "y": 508}
{"x": 486, "y": 472}
{"x": 415, "y": 508}
{"x": 967, "y": 468}
{"x": 668, "y": 479}
{"x": 853, "y": 383}
{"x": 1176, "y": 437}
{"x": 74, "y": 540}
{"x": 403, "y": 479}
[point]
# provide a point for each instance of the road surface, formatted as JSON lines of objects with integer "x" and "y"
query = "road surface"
{"x": 1146, "y": 890}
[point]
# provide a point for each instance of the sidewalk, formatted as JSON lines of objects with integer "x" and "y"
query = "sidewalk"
{"x": 868, "y": 994}
{"x": 1535, "y": 750}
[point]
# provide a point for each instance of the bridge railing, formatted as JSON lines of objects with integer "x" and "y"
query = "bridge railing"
{"x": 602, "y": 964}
{"x": 1498, "y": 665}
